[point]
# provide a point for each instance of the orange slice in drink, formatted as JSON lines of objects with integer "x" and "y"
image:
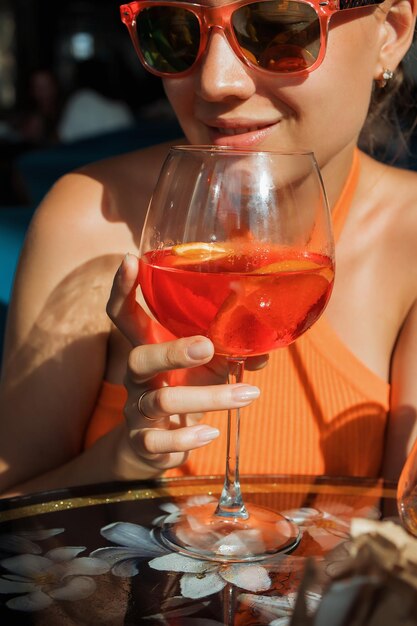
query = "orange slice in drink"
{"x": 199, "y": 251}
{"x": 287, "y": 265}
{"x": 295, "y": 265}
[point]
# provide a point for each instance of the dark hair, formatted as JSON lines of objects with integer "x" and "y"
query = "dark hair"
{"x": 392, "y": 119}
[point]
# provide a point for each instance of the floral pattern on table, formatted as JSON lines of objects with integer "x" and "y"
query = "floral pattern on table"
{"x": 40, "y": 579}
{"x": 35, "y": 578}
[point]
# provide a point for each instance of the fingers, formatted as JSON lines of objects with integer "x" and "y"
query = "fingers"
{"x": 152, "y": 434}
{"x": 122, "y": 307}
{"x": 145, "y": 362}
{"x": 158, "y": 400}
{"x": 163, "y": 449}
{"x": 162, "y": 403}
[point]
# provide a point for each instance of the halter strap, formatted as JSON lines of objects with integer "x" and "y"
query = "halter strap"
{"x": 342, "y": 206}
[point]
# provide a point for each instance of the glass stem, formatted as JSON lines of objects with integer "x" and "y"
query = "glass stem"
{"x": 231, "y": 501}
{"x": 229, "y": 605}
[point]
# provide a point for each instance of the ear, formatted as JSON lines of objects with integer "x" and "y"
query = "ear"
{"x": 398, "y": 30}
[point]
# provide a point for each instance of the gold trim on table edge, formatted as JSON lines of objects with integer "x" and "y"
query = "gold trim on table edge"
{"x": 172, "y": 490}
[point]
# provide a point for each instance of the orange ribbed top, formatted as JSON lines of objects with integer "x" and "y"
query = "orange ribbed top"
{"x": 321, "y": 411}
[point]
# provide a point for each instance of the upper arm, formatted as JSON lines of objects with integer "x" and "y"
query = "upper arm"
{"x": 57, "y": 329}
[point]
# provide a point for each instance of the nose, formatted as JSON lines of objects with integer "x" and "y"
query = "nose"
{"x": 221, "y": 75}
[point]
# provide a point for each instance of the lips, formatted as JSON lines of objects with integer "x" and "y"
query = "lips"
{"x": 239, "y": 131}
{"x": 239, "y": 135}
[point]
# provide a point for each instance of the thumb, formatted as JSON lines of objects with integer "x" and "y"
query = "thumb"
{"x": 122, "y": 306}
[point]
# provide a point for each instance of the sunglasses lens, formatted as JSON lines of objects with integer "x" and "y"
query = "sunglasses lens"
{"x": 281, "y": 36}
{"x": 169, "y": 38}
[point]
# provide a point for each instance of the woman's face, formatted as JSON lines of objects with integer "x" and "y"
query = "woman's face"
{"x": 224, "y": 102}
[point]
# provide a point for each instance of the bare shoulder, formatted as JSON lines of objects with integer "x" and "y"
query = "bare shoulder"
{"x": 112, "y": 185}
{"x": 387, "y": 229}
{"x": 87, "y": 222}
{"x": 103, "y": 203}
{"x": 392, "y": 194}
{"x": 128, "y": 180}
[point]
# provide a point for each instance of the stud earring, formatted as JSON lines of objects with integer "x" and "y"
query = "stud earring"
{"x": 385, "y": 78}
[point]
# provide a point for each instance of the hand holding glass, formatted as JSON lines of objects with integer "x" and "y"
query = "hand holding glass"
{"x": 237, "y": 246}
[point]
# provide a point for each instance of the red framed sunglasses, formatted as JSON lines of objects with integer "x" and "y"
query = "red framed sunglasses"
{"x": 276, "y": 36}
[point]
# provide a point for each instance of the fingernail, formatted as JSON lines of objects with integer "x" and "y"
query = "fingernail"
{"x": 245, "y": 393}
{"x": 124, "y": 260}
{"x": 205, "y": 433}
{"x": 199, "y": 350}
{"x": 127, "y": 258}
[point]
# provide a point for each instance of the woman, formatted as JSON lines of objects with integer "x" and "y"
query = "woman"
{"x": 61, "y": 345}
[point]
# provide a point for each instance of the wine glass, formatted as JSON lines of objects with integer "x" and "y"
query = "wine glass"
{"x": 237, "y": 245}
{"x": 407, "y": 492}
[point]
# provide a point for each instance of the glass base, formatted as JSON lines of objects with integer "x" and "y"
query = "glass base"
{"x": 199, "y": 533}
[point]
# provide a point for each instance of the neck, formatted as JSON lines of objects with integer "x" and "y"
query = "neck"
{"x": 335, "y": 172}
